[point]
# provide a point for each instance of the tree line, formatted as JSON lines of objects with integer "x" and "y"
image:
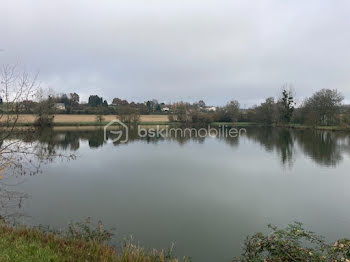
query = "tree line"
{"x": 325, "y": 107}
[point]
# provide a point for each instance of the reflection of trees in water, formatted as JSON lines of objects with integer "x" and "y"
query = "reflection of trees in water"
{"x": 65, "y": 140}
{"x": 181, "y": 140}
{"x": 231, "y": 141}
{"x": 23, "y": 154}
{"x": 274, "y": 139}
{"x": 10, "y": 203}
{"x": 286, "y": 146}
{"x": 344, "y": 142}
{"x": 70, "y": 140}
{"x": 323, "y": 147}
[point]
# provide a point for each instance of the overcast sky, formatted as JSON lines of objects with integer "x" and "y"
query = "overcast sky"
{"x": 180, "y": 49}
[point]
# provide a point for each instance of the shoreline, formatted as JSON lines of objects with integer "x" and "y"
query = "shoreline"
{"x": 76, "y": 121}
{"x": 289, "y": 126}
{"x": 94, "y": 125}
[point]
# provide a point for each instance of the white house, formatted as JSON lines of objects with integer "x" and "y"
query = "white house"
{"x": 211, "y": 109}
{"x": 165, "y": 109}
{"x": 60, "y": 106}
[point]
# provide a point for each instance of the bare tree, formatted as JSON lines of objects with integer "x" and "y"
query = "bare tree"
{"x": 18, "y": 155}
{"x": 232, "y": 109}
{"x": 99, "y": 117}
{"x": 266, "y": 112}
{"x": 129, "y": 115}
{"x": 45, "y": 108}
{"x": 323, "y": 107}
{"x": 181, "y": 111}
{"x": 16, "y": 86}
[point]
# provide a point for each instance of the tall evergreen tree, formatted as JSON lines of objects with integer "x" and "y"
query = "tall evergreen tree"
{"x": 287, "y": 103}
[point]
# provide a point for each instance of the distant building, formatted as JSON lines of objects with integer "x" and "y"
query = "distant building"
{"x": 165, "y": 109}
{"x": 60, "y": 106}
{"x": 211, "y": 109}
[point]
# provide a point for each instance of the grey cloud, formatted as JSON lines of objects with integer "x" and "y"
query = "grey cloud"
{"x": 171, "y": 50}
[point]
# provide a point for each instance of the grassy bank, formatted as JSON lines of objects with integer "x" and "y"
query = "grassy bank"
{"x": 240, "y": 124}
{"x": 293, "y": 243}
{"x": 291, "y": 126}
{"x": 214, "y": 124}
{"x": 32, "y": 245}
{"x": 94, "y": 123}
{"x": 64, "y": 120}
{"x": 324, "y": 128}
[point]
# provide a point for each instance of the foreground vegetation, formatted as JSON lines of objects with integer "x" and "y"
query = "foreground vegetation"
{"x": 293, "y": 243}
{"x": 80, "y": 243}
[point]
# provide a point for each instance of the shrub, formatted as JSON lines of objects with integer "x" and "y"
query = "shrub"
{"x": 293, "y": 243}
{"x": 44, "y": 120}
{"x": 201, "y": 118}
{"x": 171, "y": 118}
{"x": 129, "y": 115}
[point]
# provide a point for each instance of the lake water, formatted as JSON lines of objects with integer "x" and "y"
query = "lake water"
{"x": 205, "y": 195}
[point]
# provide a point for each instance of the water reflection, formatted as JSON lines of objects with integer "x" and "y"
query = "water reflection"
{"x": 22, "y": 154}
{"x": 275, "y": 139}
{"x": 204, "y": 193}
{"x": 323, "y": 147}
{"x": 11, "y": 202}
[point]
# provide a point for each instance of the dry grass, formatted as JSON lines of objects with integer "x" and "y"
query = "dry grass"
{"x": 23, "y": 244}
{"x": 28, "y": 244}
{"x": 88, "y": 118}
